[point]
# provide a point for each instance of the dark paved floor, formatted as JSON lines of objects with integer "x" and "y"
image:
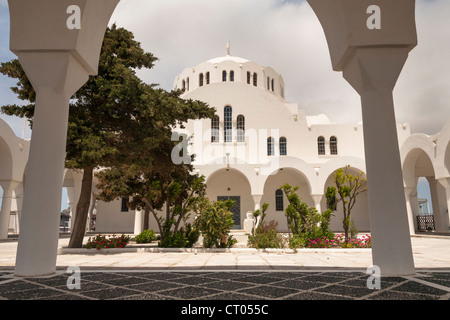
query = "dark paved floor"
{"x": 224, "y": 285}
{"x": 223, "y": 294}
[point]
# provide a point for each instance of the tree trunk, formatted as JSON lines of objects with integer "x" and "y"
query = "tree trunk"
{"x": 146, "y": 217}
{"x": 82, "y": 210}
{"x": 167, "y": 210}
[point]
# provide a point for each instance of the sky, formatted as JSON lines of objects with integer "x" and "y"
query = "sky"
{"x": 285, "y": 35}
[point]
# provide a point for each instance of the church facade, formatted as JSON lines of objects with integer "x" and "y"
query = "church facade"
{"x": 258, "y": 141}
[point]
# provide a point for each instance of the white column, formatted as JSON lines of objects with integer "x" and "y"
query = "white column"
{"x": 138, "y": 221}
{"x": 317, "y": 198}
{"x": 257, "y": 200}
{"x": 373, "y": 72}
{"x": 19, "y": 203}
{"x": 5, "y": 213}
{"x": 55, "y": 77}
{"x": 445, "y": 218}
{"x": 58, "y": 56}
{"x": 91, "y": 212}
{"x": 411, "y": 218}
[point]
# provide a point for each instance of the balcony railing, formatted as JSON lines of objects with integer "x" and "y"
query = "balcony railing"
{"x": 425, "y": 223}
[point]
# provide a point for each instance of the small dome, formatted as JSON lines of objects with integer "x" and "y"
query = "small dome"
{"x": 228, "y": 58}
{"x": 230, "y": 69}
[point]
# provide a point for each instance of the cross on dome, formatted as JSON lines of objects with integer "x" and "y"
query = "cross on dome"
{"x": 228, "y": 47}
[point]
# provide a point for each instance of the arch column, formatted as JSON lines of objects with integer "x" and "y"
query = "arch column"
{"x": 440, "y": 217}
{"x": 317, "y": 198}
{"x": 138, "y": 221}
{"x": 257, "y": 200}
{"x": 373, "y": 73}
{"x": 71, "y": 202}
{"x": 18, "y": 192}
{"x": 57, "y": 66}
{"x": 411, "y": 217}
{"x": 92, "y": 207}
{"x": 445, "y": 218}
{"x": 8, "y": 188}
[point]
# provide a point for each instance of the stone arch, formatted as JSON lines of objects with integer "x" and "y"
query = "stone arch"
{"x": 296, "y": 164}
{"x": 231, "y": 183}
{"x": 6, "y": 173}
{"x": 414, "y": 147}
{"x": 324, "y": 171}
{"x": 359, "y": 213}
{"x": 418, "y": 163}
{"x": 248, "y": 170}
{"x": 446, "y": 159}
{"x": 6, "y": 161}
{"x": 13, "y": 157}
{"x": 442, "y": 145}
{"x": 285, "y": 175}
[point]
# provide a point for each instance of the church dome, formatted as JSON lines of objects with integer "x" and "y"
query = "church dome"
{"x": 228, "y": 58}
{"x": 230, "y": 69}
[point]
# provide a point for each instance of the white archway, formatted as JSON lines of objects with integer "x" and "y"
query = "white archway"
{"x": 359, "y": 213}
{"x": 419, "y": 161}
{"x": 230, "y": 183}
{"x": 13, "y": 158}
{"x": 293, "y": 177}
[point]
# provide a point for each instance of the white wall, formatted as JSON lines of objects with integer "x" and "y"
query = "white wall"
{"x": 110, "y": 219}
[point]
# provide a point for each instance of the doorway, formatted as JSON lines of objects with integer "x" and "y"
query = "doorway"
{"x": 236, "y": 209}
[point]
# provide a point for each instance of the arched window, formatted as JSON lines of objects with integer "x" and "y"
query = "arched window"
{"x": 333, "y": 146}
{"x": 255, "y": 79}
{"x": 200, "y": 79}
{"x": 268, "y": 83}
{"x": 228, "y": 124}
{"x": 231, "y": 75}
{"x": 224, "y": 76}
{"x": 273, "y": 85}
{"x": 184, "y": 85}
{"x": 249, "y": 77}
{"x": 321, "y": 145}
{"x": 279, "y": 200}
{"x": 283, "y": 146}
{"x": 215, "y": 129}
{"x": 240, "y": 128}
{"x": 187, "y": 83}
{"x": 207, "y": 78}
{"x": 270, "y": 146}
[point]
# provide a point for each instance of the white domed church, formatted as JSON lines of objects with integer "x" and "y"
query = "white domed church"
{"x": 258, "y": 141}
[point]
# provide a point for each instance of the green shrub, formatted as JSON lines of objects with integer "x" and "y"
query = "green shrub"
{"x": 214, "y": 221}
{"x": 266, "y": 236}
{"x": 145, "y": 236}
{"x": 297, "y": 241}
{"x": 184, "y": 238}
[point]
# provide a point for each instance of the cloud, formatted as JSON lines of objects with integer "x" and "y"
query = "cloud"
{"x": 283, "y": 35}
{"x": 423, "y": 90}
{"x": 287, "y": 36}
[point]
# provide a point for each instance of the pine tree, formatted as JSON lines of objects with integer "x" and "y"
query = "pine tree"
{"x": 115, "y": 113}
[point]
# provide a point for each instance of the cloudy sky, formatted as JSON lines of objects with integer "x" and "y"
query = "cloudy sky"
{"x": 285, "y": 35}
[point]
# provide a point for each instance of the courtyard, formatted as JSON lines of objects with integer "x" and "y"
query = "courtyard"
{"x": 149, "y": 273}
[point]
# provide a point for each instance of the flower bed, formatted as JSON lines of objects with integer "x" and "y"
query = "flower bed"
{"x": 338, "y": 242}
{"x": 102, "y": 241}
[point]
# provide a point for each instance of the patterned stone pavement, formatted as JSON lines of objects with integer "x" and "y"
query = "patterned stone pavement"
{"x": 225, "y": 285}
{"x": 229, "y": 285}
